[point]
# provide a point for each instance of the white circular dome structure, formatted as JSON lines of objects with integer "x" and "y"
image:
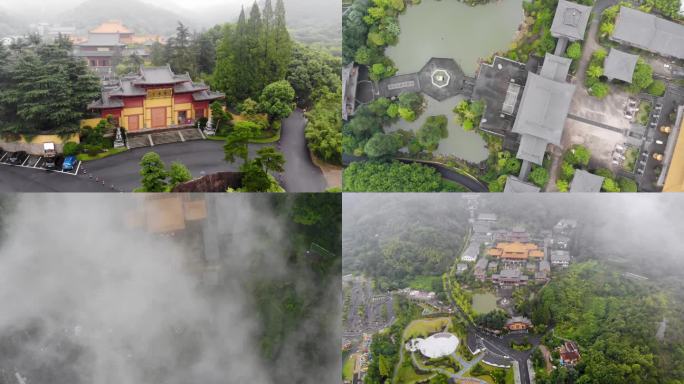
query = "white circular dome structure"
{"x": 438, "y": 345}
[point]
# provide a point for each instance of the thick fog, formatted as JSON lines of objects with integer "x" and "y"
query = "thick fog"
{"x": 641, "y": 231}
{"x": 86, "y": 298}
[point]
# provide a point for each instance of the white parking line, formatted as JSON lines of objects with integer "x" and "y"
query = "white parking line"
{"x": 24, "y": 163}
{"x": 3, "y": 156}
{"x": 36, "y": 164}
{"x": 77, "y": 167}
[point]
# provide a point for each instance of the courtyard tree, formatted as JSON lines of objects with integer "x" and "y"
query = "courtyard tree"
{"x": 563, "y": 185}
{"x": 642, "y": 77}
{"x": 600, "y": 90}
{"x": 657, "y": 88}
{"x": 539, "y": 177}
{"x": 277, "y": 100}
{"x": 574, "y": 50}
{"x": 627, "y": 185}
{"x": 578, "y": 156}
{"x": 153, "y": 172}
{"x": 432, "y": 132}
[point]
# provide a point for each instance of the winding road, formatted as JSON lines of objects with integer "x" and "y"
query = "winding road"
{"x": 121, "y": 172}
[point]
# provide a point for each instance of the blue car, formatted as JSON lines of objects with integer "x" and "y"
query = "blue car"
{"x": 69, "y": 163}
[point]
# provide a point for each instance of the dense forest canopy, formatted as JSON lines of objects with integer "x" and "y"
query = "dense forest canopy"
{"x": 614, "y": 321}
{"x": 397, "y": 239}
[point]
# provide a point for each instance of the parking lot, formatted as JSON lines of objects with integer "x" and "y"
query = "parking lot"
{"x": 24, "y": 160}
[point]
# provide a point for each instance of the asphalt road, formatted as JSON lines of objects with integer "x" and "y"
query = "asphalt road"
{"x": 121, "y": 172}
{"x": 17, "y": 179}
{"x": 301, "y": 175}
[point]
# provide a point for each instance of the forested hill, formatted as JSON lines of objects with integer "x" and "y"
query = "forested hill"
{"x": 137, "y": 15}
{"x": 395, "y": 240}
{"x": 614, "y": 320}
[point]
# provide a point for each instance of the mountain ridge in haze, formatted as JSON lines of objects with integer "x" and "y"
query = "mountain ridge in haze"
{"x": 135, "y": 14}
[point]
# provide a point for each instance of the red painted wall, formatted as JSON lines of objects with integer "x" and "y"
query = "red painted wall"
{"x": 182, "y": 98}
{"x": 133, "y": 102}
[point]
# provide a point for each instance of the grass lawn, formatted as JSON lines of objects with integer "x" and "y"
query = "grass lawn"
{"x": 425, "y": 283}
{"x": 408, "y": 375}
{"x": 509, "y": 374}
{"x": 348, "y": 368}
{"x": 484, "y": 303}
{"x": 424, "y": 327}
{"x": 111, "y": 152}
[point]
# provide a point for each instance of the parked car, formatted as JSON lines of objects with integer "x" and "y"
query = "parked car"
{"x": 69, "y": 163}
{"x": 16, "y": 158}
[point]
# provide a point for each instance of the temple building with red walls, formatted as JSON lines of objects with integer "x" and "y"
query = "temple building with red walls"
{"x": 155, "y": 98}
{"x": 108, "y": 40}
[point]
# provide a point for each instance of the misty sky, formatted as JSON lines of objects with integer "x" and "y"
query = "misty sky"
{"x": 95, "y": 301}
{"x": 640, "y": 227}
{"x": 60, "y": 5}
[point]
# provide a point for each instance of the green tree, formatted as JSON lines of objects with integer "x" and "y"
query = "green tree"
{"x": 574, "y": 50}
{"x": 539, "y": 177}
{"x": 312, "y": 74}
{"x": 178, "y": 173}
{"x": 49, "y": 89}
{"x": 324, "y": 128}
{"x": 578, "y": 155}
{"x": 382, "y": 145}
{"x": 562, "y": 185}
{"x": 642, "y": 77}
{"x": 567, "y": 171}
{"x": 219, "y": 116}
{"x": 657, "y": 88}
{"x": 277, "y": 100}
{"x": 600, "y": 90}
{"x": 270, "y": 159}
{"x": 373, "y": 176}
{"x": 237, "y": 141}
{"x": 432, "y": 132}
{"x": 627, "y": 185}
{"x": 153, "y": 172}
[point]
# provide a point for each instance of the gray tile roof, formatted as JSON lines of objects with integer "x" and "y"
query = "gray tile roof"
{"x": 102, "y": 40}
{"x": 555, "y": 67}
{"x": 159, "y": 76}
{"x": 544, "y": 107}
{"x": 532, "y": 149}
{"x": 584, "y": 181}
{"x": 649, "y": 33}
{"x": 514, "y": 185}
{"x": 620, "y": 65}
{"x": 570, "y": 20}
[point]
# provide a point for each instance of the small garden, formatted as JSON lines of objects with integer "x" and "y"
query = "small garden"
{"x": 491, "y": 375}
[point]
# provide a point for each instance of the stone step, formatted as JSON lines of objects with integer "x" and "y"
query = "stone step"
{"x": 191, "y": 134}
{"x": 138, "y": 141}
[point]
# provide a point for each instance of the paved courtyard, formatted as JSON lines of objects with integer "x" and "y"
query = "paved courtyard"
{"x": 609, "y": 111}
{"x": 601, "y": 142}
